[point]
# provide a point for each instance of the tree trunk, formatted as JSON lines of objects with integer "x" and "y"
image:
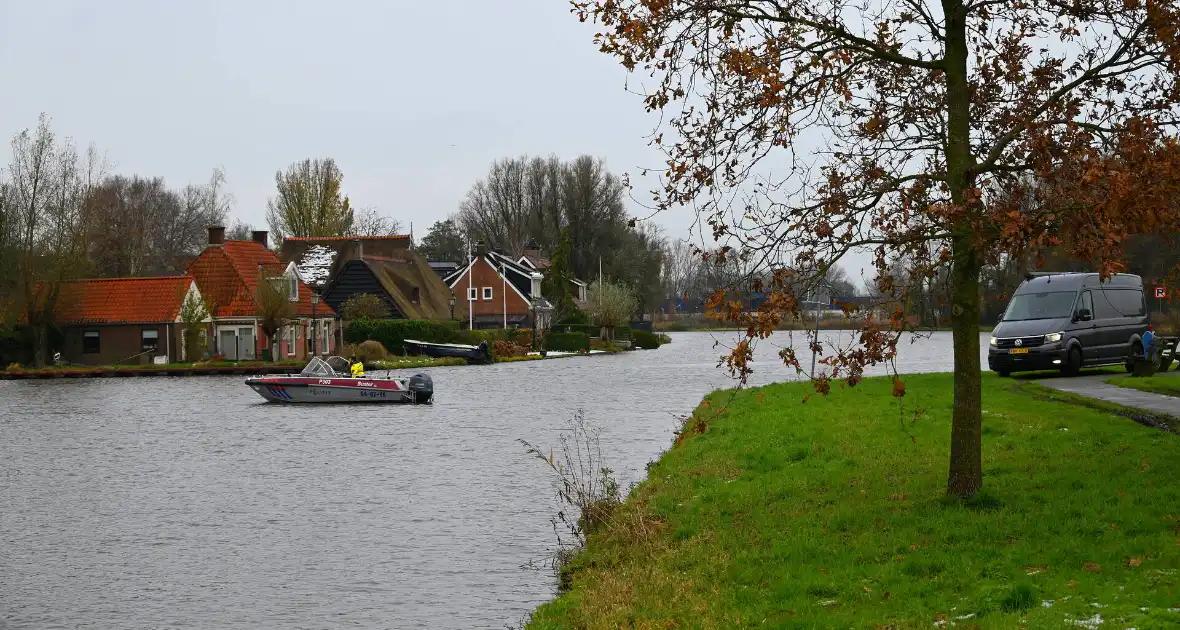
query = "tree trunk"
{"x": 40, "y": 345}
{"x": 966, "y": 466}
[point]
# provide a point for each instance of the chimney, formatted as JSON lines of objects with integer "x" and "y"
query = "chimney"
{"x": 216, "y": 235}
{"x": 531, "y": 248}
{"x": 481, "y": 249}
{"x": 360, "y": 249}
{"x": 259, "y": 236}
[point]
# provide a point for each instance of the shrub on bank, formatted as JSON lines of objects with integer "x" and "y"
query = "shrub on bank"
{"x": 645, "y": 340}
{"x": 567, "y": 342}
{"x": 366, "y": 351}
{"x": 506, "y": 349}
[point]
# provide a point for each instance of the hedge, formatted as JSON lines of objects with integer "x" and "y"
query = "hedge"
{"x": 567, "y": 342}
{"x": 645, "y": 340}
{"x": 392, "y": 333}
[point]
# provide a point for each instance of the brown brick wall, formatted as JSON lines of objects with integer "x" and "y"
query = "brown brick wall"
{"x": 117, "y": 343}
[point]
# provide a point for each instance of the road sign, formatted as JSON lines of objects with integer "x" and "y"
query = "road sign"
{"x": 1161, "y": 293}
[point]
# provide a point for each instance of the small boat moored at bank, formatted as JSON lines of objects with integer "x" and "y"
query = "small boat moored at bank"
{"x": 473, "y": 354}
{"x": 320, "y": 383}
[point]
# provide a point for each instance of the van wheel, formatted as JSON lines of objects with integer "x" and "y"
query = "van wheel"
{"x": 1073, "y": 363}
{"x": 1003, "y": 373}
{"x": 1136, "y": 348}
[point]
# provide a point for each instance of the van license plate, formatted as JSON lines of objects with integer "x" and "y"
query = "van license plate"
{"x": 1018, "y": 351}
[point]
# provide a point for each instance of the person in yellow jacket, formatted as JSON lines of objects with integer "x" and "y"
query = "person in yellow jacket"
{"x": 357, "y": 367}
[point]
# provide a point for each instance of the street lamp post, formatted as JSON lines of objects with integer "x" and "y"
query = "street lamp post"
{"x": 451, "y": 300}
{"x": 315, "y": 299}
{"x": 533, "y": 303}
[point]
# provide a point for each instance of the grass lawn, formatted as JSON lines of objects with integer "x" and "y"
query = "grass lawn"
{"x": 831, "y": 514}
{"x": 1167, "y": 383}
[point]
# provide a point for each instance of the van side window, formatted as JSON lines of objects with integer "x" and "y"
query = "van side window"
{"x": 1128, "y": 302}
{"x": 1086, "y": 302}
{"x": 1103, "y": 307}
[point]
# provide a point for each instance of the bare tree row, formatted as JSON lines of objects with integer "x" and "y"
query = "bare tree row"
{"x": 526, "y": 199}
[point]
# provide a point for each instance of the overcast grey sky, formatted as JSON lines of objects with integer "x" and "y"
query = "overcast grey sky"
{"x": 414, "y": 99}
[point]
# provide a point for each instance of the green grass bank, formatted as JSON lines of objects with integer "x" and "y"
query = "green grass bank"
{"x": 1167, "y": 383}
{"x": 769, "y": 512}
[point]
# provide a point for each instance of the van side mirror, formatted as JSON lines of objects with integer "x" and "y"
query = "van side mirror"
{"x": 1083, "y": 315}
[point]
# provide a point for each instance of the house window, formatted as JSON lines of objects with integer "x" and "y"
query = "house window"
{"x": 326, "y": 330}
{"x": 487, "y": 293}
{"x": 151, "y": 339}
{"x": 290, "y": 341}
{"x": 90, "y": 342}
{"x": 415, "y": 295}
{"x": 472, "y": 294}
{"x": 293, "y": 288}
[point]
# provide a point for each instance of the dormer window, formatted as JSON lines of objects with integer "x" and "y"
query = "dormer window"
{"x": 293, "y": 287}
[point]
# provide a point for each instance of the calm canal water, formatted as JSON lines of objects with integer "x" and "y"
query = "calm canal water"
{"x": 187, "y": 502}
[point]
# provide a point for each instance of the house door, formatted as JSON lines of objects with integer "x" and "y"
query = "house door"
{"x": 245, "y": 344}
{"x": 227, "y": 343}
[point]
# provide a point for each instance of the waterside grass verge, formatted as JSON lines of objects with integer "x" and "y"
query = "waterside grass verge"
{"x": 770, "y": 512}
{"x": 1166, "y": 383}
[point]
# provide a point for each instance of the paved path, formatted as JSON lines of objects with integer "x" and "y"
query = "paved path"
{"x": 1096, "y": 387}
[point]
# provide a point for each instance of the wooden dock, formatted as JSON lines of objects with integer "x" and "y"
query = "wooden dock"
{"x": 147, "y": 370}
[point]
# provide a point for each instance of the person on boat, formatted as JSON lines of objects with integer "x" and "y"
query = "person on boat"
{"x": 356, "y": 367}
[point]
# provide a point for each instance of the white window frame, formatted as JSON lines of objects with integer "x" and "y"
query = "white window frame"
{"x": 325, "y": 330}
{"x": 488, "y": 294}
{"x": 293, "y": 288}
{"x": 290, "y": 341}
{"x": 472, "y": 294}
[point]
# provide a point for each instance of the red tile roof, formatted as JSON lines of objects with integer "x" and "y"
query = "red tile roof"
{"x": 315, "y": 239}
{"x": 153, "y": 300}
{"x": 227, "y": 276}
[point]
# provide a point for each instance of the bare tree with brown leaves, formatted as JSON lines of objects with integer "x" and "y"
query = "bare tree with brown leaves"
{"x": 887, "y": 125}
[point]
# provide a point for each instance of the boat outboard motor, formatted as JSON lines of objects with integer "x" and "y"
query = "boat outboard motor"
{"x": 485, "y": 351}
{"x": 421, "y": 388}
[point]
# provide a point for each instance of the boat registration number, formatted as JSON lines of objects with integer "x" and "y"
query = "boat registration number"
{"x": 1018, "y": 351}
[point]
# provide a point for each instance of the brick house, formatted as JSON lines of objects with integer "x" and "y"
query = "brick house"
{"x": 500, "y": 292}
{"x": 227, "y": 274}
{"x": 126, "y": 321}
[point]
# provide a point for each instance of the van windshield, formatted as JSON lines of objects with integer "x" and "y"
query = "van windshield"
{"x": 1049, "y": 305}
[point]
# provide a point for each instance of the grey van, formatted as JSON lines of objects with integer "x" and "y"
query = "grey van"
{"x": 1068, "y": 321}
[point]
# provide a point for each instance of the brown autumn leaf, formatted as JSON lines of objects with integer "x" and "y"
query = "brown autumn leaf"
{"x": 885, "y": 596}
{"x": 1035, "y": 569}
{"x": 898, "y": 388}
{"x": 1092, "y": 567}
{"x": 1134, "y": 562}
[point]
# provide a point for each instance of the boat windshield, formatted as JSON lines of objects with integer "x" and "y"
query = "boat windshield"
{"x": 317, "y": 367}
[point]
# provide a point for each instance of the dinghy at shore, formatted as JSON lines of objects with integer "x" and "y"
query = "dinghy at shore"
{"x": 473, "y": 354}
